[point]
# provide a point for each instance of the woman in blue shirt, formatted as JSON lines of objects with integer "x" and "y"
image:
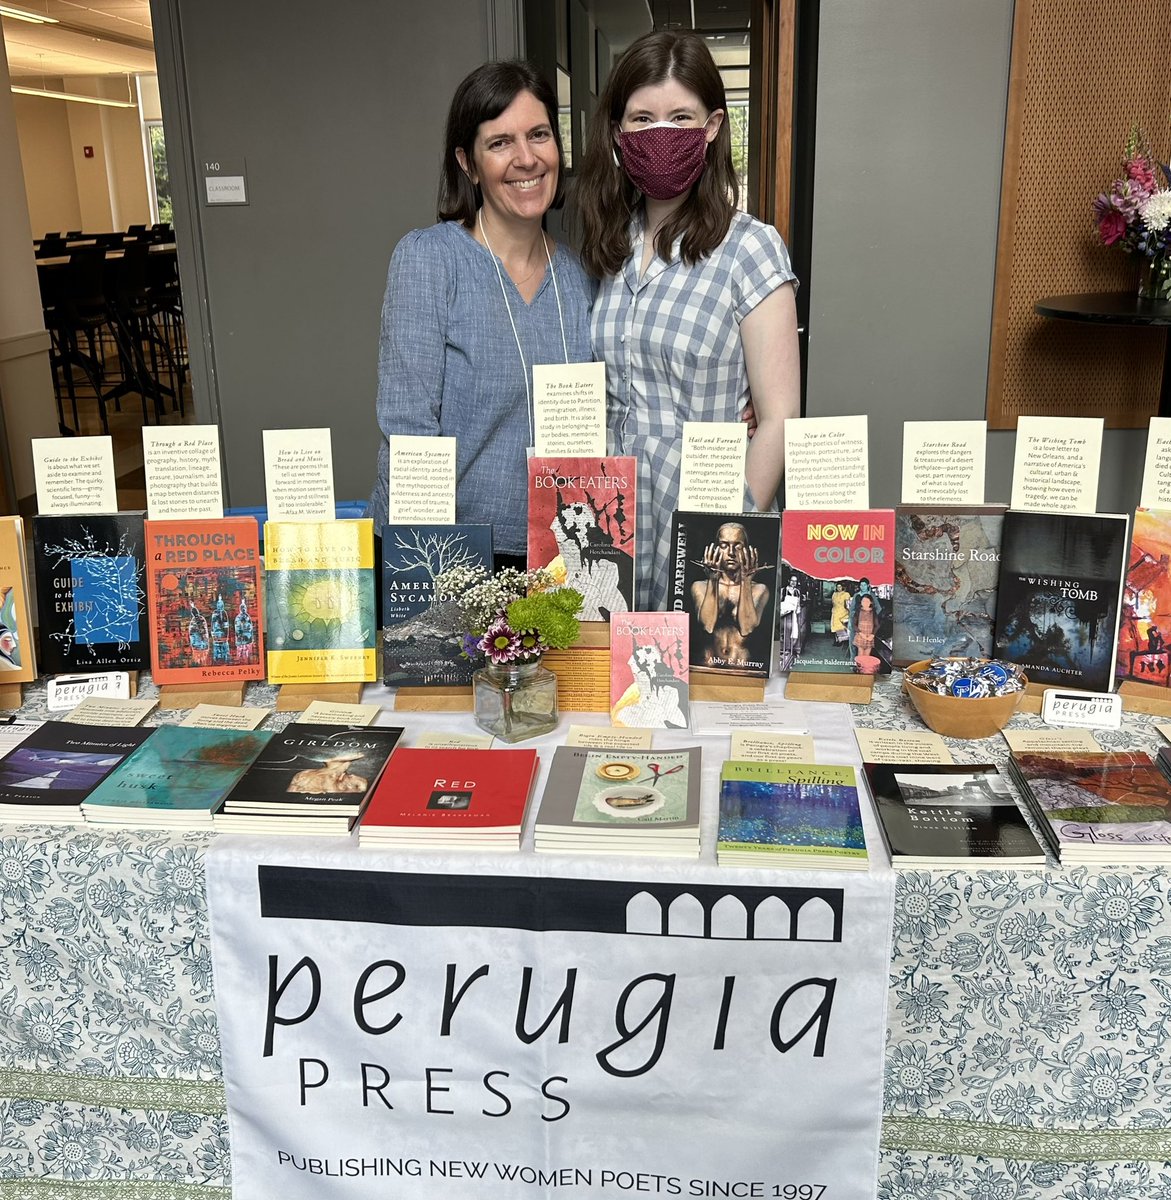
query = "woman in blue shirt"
{"x": 473, "y": 302}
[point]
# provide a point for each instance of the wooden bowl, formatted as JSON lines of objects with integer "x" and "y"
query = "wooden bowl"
{"x": 956, "y": 716}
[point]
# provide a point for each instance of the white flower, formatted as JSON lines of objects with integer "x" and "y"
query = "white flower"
{"x": 1156, "y": 211}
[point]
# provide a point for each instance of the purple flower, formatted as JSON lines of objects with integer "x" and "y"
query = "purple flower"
{"x": 500, "y": 643}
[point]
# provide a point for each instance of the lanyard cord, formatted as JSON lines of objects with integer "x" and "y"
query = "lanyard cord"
{"x": 508, "y": 308}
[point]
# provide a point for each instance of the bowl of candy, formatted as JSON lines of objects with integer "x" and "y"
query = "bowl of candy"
{"x": 964, "y": 697}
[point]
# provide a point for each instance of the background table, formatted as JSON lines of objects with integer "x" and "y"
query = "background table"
{"x": 1027, "y": 1028}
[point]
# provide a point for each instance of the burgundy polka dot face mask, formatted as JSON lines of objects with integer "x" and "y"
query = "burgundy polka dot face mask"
{"x": 664, "y": 160}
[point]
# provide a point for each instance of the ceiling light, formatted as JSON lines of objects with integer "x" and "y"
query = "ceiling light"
{"x": 76, "y": 96}
{"x": 24, "y": 14}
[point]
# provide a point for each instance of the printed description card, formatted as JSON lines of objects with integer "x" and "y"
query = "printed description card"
{"x": 569, "y": 409}
{"x": 422, "y": 480}
{"x": 298, "y": 475}
{"x": 762, "y": 745}
{"x": 902, "y": 746}
{"x": 439, "y": 739}
{"x": 224, "y": 716}
{"x": 1156, "y": 491}
{"x": 1056, "y": 464}
{"x": 1050, "y": 741}
{"x": 711, "y": 470}
{"x": 182, "y": 472}
{"x": 74, "y": 475}
{"x": 609, "y": 737}
{"x": 827, "y": 462}
{"x": 325, "y": 712}
{"x": 102, "y": 710}
{"x": 943, "y": 462}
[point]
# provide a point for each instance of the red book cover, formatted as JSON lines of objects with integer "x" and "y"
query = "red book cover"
{"x": 203, "y": 600}
{"x": 581, "y": 528}
{"x": 649, "y": 670}
{"x": 458, "y": 790}
{"x": 837, "y": 585}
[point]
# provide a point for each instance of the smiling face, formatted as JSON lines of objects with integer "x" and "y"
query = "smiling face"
{"x": 514, "y": 162}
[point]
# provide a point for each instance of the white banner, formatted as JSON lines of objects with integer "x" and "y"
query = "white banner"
{"x": 480, "y": 1026}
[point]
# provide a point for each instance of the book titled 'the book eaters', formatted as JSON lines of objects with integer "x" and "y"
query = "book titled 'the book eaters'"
{"x": 724, "y": 578}
{"x": 649, "y": 670}
{"x": 319, "y": 601}
{"x": 203, "y": 595}
{"x": 421, "y": 642}
{"x": 91, "y": 592}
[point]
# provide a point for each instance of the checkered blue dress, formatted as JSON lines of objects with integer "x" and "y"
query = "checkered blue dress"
{"x": 671, "y": 344}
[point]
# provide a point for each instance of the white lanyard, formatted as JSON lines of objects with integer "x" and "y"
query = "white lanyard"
{"x": 504, "y": 292}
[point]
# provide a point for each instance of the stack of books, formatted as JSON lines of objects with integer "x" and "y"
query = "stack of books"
{"x": 621, "y": 802}
{"x": 790, "y": 815}
{"x": 309, "y": 779}
{"x": 450, "y": 800}
{"x": 175, "y": 779}
{"x": 47, "y": 774}
{"x": 951, "y": 817}
{"x": 1107, "y": 809}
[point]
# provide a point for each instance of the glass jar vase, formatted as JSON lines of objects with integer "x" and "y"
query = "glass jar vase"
{"x": 1154, "y": 279}
{"x": 514, "y": 701}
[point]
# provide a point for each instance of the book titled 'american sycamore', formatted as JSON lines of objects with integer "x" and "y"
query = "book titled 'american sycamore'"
{"x": 790, "y": 814}
{"x": 203, "y": 596}
{"x": 319, "y": 601}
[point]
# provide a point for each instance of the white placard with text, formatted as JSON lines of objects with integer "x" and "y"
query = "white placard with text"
{"x": 1056, "y": 465}
{"x": 711, "y": 469}
{"x": 763, "y": 745}
{"x": 1156, "y": 491}
{"x": 298, "y": 475}
{"x": 943, "y": 462}
{"x": 569, "y": 409}
{"x": 827, "y": 462}
{"x": 182, "y": 472}
{"x": 74, "y": 475}
{"x": 422, "y": 480}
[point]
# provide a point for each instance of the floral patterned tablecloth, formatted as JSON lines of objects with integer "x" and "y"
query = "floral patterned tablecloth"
{"x": 1029, "y": 1022}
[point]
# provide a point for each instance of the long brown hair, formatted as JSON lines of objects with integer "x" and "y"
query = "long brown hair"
{"x": 604, "y": 197}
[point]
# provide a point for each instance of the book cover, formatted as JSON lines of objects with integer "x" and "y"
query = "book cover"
{"x": 649, "y": 670}
{"x": 308, "y": 767}
{"x": 179, "y": 769}
{"x": 634, "y": 793}
{"x": 791, "y": 809}
{"x": 319, "y": 601}
{"x": 837, "y": 591}
{"x": 950, "y": 814}
{"x": 58, "y": 764}
{"x": 421, "y": 636}
{"x": 947, "y": 562}
{"x": 724, "y": 577}
{"x": 1143, "y": 652}
{"x": 203, "y": 597}
{"x": 17, "y": 655}
{"x": 582, "y": 528}
{"x": 457, "y": 791}
{"x": 1115, "y": 800}
{"x": 1061, "y": 577}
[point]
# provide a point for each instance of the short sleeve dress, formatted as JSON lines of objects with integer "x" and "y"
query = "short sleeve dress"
{"x": 672, "y": 349}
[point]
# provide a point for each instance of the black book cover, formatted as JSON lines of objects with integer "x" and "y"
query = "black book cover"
{"x": 60, "y": 763}
{"x": 330, "y": 768}
{"x": 714, "y": 556}
{"x": 91, "y": 596}
{"x": 950, "y": 813}
{"x": 1058, "y": 605}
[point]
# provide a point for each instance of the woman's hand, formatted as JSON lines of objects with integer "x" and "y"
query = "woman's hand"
{"x": 748, "y": 416}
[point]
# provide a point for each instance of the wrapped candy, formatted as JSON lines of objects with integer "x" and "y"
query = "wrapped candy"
{"x": 970, "y": 678}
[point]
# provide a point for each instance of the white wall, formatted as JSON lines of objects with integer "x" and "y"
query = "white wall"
{"x": 46, "y": 153}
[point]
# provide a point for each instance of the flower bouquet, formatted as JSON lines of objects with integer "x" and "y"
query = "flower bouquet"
{"x": 509, "y": 620}
{"x": 1135, "y": 214}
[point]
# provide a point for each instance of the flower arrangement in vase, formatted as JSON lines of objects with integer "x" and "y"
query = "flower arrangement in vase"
{"x": 509, "y": 620}
{"x": 1135, "y": 215}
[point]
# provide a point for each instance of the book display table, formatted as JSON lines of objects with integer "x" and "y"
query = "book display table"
{"x": 1027, "y": 1053}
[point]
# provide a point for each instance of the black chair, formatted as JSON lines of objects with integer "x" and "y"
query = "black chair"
{"x": 136, "y": 230}
{"x": 53, "y": 236}
{"x": 166, "y": 304}
{"x": 75, "y": 233}
{"x": 77, "y": 308}
{"x": 139, "y": 339}
{"x": 52, "y": 248}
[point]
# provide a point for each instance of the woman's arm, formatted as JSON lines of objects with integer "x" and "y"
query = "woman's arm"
{"x": 769, "y": 336}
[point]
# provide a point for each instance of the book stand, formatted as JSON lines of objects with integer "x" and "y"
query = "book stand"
{"x": 11, "y": 696}
{"x": 1145, "y": 698}
{"x": 828, "y": 686}
{"x": 438, "y": 698}
{"x": 707, "y": 684}
{"x": 296, "y": 697}
{"x": 187, "y": 695}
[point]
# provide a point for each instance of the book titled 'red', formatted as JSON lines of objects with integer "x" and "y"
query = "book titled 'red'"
{"x": 203, "y": 598}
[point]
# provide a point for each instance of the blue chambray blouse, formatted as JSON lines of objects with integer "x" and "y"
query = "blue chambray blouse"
{"x": 448, "y": 365}
{"x": 671, "y": 344}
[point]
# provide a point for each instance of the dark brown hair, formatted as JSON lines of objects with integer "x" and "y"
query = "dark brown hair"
{"x": 481, "y": 97}
{"x": 604, "y": 197}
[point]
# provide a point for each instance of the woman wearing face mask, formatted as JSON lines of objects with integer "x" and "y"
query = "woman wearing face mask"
{"x": 475, "y": 300}
{"x": 693, "y": 316}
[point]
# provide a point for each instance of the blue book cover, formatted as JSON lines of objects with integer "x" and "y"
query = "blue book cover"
{"x": 421, "y": 637}
{"x": 179, "y": 769}
{"x": 792, "y": 810}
